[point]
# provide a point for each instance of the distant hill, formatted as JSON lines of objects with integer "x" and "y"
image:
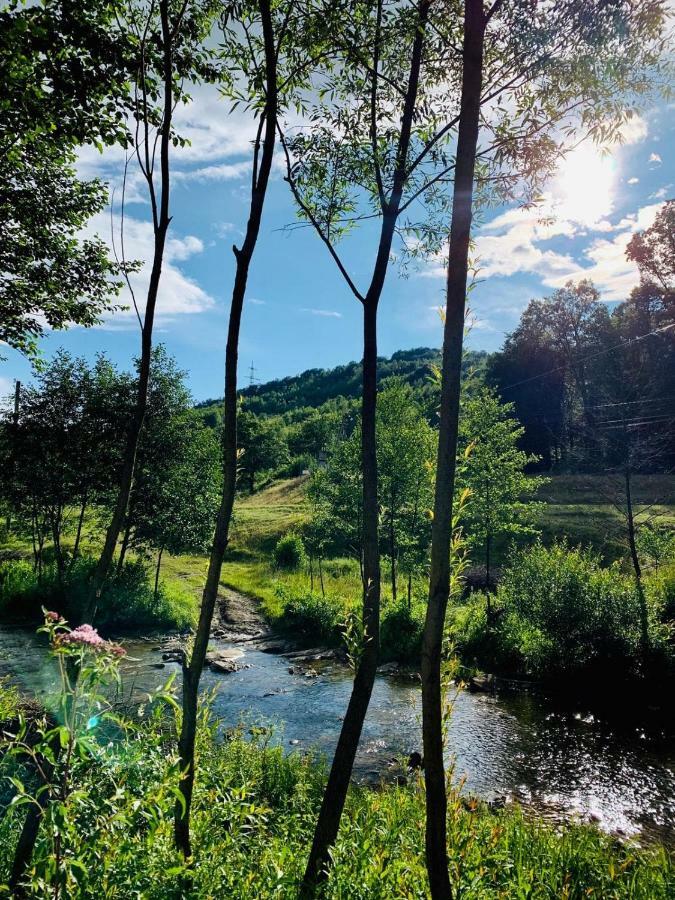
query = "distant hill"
{"x": 313, "y": 388}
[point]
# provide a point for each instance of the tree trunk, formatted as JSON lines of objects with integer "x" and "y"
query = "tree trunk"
{"x": 335, "y": 794}
{"x": 439, "y": 581}
{"x": 192, "y": 671}
{"x": 55, "y": 522}
{"x": 161, "y": 222}
{"x": 637, "y": 569}
{"x": 323, "y": 590}
{"x": 78, "y": 534}
{"x": 125, "y": 545}
{"x": 29, "y": 835}
{"x": 488, "y": 543}
{"x": 343, "y": 761}
{"x": 392, "y": 556}
{"x": 157, "y": 569}
{"x": 311, "y": 573}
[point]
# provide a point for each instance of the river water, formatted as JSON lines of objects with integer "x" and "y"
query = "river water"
{"x": 558, "y": 762}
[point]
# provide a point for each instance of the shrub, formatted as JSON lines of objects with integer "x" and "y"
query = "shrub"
{"x": 289, "y": 553}
{"x": 310, "y": 617}
{"x": 557, "y": 610}
{"x": 17, "y": 581}
{"x": 128, "y": 601}
{"x": 661, "y": 589}
{"x": 296, "y": 466}
{"x": 401, "y": 631}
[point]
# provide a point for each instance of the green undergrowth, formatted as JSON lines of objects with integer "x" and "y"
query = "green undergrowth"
{"x": 127, "y": 603}
{"x": 559, "y": 611}
{"x": 254, "y": 811}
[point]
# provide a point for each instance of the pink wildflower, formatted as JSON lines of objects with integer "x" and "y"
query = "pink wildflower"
{"x": 116, "y": 650}
{"x": 52, "y": 616}
{"x": 85, "y": 636}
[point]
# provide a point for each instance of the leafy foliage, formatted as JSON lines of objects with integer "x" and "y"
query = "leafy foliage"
{"x": 289, "y": 553}
{"x": 492, "y": 469}
{"x": 560, "y": 611}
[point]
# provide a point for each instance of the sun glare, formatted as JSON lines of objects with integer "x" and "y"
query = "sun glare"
{"x": 583, "y": 189}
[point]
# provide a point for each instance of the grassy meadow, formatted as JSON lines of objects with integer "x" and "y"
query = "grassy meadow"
{"x": 575, "y": 507}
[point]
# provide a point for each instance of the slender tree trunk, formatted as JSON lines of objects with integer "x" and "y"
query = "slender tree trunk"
{"x": 637, "y": 569}
{"x": 439, "y": 582}
{"x": 157, "y": 569}
{"x": 323, "y": 590}
{"x": 409, "y": 591}
{"x": 161, "y": 222}
{"x": 488, "y": 547}
{"x": 125, "y": 545}
{"x": 335, "y": 794}
{"x": 343, "y": 761}
{"x": 78, "y": 534}
{"x": 192, "y": 670}
{"x": 55, "y": 522}
{"x": 29, "y": 835}
{"x": 392, "y": 556}
{"x": 311, "y": 573}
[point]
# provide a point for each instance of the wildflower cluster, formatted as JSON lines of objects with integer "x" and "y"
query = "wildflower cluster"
{"x": 84, "y": 637}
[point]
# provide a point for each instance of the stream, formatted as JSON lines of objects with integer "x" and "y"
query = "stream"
{"x": 558, "y": 762}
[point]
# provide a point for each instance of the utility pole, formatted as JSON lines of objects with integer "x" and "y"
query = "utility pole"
{"x": 15, "y": 429}
{"x": 251, "y": 376}
{"x": 17, "y": 399}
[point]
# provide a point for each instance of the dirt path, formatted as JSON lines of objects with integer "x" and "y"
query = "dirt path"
{"x": 239, "y": 621}
{"x": 238, "y": 618}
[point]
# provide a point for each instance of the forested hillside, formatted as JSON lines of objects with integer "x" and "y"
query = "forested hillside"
{"x": 315, "y": 386}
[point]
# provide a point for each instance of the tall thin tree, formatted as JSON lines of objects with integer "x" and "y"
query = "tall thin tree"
{"x": 535, "y": 64}
{"x": 366, "y": 148}
{"x": 170, "y": 37}
{"x": 275, "y": 47}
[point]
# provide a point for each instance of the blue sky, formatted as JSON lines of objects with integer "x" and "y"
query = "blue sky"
{"x": 299, "y": 313}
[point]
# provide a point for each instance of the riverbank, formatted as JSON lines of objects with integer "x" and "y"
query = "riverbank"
{"x": 254, "y": 809}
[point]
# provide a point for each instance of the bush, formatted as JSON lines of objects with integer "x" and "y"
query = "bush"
{"x": 296, "y": 466}
{"x": 557, "y": 610}
{"x": 661, "y": 588}
{"x": 128, "y": 601}
{"x": 289, "y": 553}
{"x": 310, "y": 617}
{"x": 401, "y": 631}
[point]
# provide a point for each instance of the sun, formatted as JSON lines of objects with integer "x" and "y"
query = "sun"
{"x": 583, "y": 189}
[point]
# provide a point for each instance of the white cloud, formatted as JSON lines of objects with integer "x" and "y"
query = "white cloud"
{"x": 634, "y": 130}
{"x": 179, "y": 294}
{"x": 328, "y": 313}
{"x": 655, "y": 159}
{"x": 256, "y": 302}
{"x": 633, "y": 180}
{"x": 214, "y": 134}
{"x": 219, "y": 172}
{"x": 515, "y": 243}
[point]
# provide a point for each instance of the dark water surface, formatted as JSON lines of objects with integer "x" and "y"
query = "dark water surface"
{"x": 560, "y": 763}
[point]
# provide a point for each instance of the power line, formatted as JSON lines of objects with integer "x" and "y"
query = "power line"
{"x": 632, "y": 402}
{"x": 581, "y": 359}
